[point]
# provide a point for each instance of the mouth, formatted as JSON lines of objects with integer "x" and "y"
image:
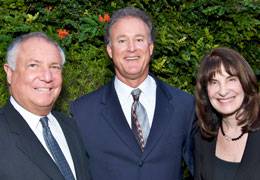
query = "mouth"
{"x": 132, "y": 58}
{"x": 42, "y": 89}
{"x": 224, "y": 100}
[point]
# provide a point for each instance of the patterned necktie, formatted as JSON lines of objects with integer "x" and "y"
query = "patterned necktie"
{"x": 139, "y": 118}
{"x": 55, "y": 150}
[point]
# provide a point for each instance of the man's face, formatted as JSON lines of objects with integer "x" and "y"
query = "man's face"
{"x": 130, "y": 48}
{"x": 36, "y": 81}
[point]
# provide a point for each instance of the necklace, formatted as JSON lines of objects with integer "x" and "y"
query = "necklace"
{"x": 228, "y": 137}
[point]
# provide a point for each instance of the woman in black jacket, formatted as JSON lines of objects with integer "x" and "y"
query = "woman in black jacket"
{"x": 228, "y": 108}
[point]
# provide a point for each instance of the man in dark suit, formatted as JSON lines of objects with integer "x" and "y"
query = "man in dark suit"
{"x": 136, "y": 127}
{"x": 29, "y": 148}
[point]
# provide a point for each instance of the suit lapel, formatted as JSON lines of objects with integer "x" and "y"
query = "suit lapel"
{"x": 28, "y": 143}
{"x": 72, "y": 141}
{"x": 113, "y": 114}
{"x": 163, "y": 111}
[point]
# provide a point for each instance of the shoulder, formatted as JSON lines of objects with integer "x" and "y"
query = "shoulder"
{"x": 1, "y": 111}
{"x": 62, "y": 117}
{"x": 6, "y": 110}
{"x": 175, "y": 93}
{"x": 5, "y": 120}
{"x": 2, "y": 116}
{"x": 203, "y": 142}
{"x": 91, "y": 102}
{"x": 95, "y": 95}
{"x": 254, "y": 136}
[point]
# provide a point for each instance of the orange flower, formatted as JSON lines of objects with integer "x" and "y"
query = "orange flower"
{"x": 106, "y": 17}
{"x": 62, "y": 33}
{"x": 100, "y": 18}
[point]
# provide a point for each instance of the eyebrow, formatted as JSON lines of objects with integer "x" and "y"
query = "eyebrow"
{"x": 120, "y": 36}
{"x": 140, "y": 35}
{"x": 34, "y": 60}
{"x": 38, "y": 61}
{"x": 123, "y": 36}
{"x": 229, "y": 76}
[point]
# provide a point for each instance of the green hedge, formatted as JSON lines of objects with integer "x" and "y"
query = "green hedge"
{"x": 186, "y": 30}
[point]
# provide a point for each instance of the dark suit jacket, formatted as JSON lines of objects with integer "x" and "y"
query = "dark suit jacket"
{"x": 112, "y": 148}
{"x": 24, "y": 157}
{"x": 249, "y": 168}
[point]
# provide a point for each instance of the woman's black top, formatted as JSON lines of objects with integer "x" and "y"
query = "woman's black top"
{"x": 225, "y": 170}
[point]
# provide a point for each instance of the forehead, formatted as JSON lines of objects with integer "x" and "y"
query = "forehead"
{"x": 221, "y": 72}
{"x": 129, "y": 25}
{"x": 39, "y": 49}
{"x": 37, "y": 43}
{"x": 219, "y": 68}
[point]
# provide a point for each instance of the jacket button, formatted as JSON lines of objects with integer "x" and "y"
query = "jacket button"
{"x": 141, "y": 163}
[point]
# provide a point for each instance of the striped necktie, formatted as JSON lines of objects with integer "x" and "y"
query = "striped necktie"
{"x": 139, "y": 118}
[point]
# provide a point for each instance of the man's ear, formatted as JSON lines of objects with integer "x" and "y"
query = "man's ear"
{"x": 109, "y": 51}
{"x": 9, "y": 73}
{"x": 151, "y": 47}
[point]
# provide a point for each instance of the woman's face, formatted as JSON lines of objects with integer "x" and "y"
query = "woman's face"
{"x": 225, "y": 93}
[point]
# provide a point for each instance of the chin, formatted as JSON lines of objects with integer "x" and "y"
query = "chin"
{"x": 229, "y": 113}
{"x": 45, "y": 103}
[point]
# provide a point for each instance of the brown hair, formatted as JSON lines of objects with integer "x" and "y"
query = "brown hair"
{"x": 208, "y": 118}
{"x": 132, "y": 12}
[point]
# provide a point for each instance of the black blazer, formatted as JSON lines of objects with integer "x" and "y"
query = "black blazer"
{"x": 113, "y": 151}
{"x": 249, "y": 168}
{"x": 22, "y": 156}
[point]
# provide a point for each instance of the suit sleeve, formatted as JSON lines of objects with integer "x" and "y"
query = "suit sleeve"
{"x": 188, "y": 150}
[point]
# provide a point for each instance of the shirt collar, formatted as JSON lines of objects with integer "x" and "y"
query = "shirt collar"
{"x": 124, "y": 90}
{"x": 32, "y": 119}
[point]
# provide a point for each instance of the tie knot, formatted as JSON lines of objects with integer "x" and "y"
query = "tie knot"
{"x": 44, "y": 121}
{"x": 136, "y": 93}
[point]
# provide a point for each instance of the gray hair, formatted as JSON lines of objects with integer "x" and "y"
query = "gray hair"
{"x": 14, "y": 47}
{"x": 132, "y": 12}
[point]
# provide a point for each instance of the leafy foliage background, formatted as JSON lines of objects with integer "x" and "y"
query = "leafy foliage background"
{"x": 186, "y": 30}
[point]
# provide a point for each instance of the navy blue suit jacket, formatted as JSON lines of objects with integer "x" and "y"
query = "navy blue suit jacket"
{"x": 24, "y": 157}
{"x": 112, "y": 148}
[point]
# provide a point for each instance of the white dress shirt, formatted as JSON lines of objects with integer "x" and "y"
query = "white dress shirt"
{"x": 147, "y": 97}
{"x": 34, "y": 123}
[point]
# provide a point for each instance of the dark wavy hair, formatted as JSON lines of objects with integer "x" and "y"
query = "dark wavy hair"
{"x": 249, "y": 114}
{"x": 132, "y": 12}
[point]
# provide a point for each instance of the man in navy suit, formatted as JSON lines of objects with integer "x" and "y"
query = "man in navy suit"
{"x": 34, "y": 75}
{"x": 105, "y": 117}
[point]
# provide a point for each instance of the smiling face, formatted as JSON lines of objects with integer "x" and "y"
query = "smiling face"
{"x": 36, "y": 81}
{"x": 130, "y": 48}
{"x": 225, "y": 93}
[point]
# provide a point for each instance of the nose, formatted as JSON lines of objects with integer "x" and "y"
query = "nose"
{"x": 223, "y": 90}
{"x": 131, "y": 46}
{"x": 46, "y": 75}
